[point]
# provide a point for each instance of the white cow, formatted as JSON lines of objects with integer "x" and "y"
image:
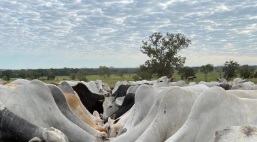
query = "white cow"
{"x": 251, "y": 94}
{"x": 133, "y": 133}
{"x": 96, "y": 87}
{"x": 174, "y": 109}
{"x": 213, "y": 110}
{"x": 103, "y": 87}
{"x": 15, "y": 128}
{"x": 118, "y": 83}
{"x": 243, "y": 86}
{"x": 35, "y": 103}
{"x": 145, "y": 96}
{"x": 162, "y": 82}
{"x": 71, "y": 106}
{"x": 179, "y": 83}
{"x": 114, "y": 127}
{"x": 196, "y": 88}
{"x": 209, "y": 84}
{"x": 70, "y": 82}
{"x": 238, "y": 80}
{"x": 110, "y": 105}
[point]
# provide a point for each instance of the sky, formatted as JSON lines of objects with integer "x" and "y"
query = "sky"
{"x": 91, "y": 33}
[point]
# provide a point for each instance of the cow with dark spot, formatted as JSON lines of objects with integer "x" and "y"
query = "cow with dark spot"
{"x": 90, "y": 100}
{"x": 66, "y": 109}
{"x": 15, "y": 128}
{"x": 34, "y": 102}
{"x": 128, "y": 102}
{"x": 112, "y": 103}
{"x": 121, "y": 91}
{"x": 225, "y": 86}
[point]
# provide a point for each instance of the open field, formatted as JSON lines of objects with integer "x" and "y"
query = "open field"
{"x": 129, "y": 77}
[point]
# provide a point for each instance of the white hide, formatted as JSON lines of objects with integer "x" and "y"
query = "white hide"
{"x": 117, "y": 84}
{"x": 102, "y": 87}
{"x": 145, "y": 96}
{"x": 179, "y": 83}
{"x": 35, "y": 103}
{"x": 196, "y": 88}
{"x": 161, "y": 82}
{"x": 95, "y": 88}
{"x": 70, "y": 82}
{"x": 132, "y": 89}
{"x": 238, "y": 80}
{"x": 132, "y": 134}
{"x": 174, "y": 109}
{"x": 243, "y": 86}
{"x": 209, "y": 84}
{"x": 109, "y": 107}
{"x": 251, "y": 94}
{"x": 214, "y": 110}
{"x": 66, "y": 88}
{"x": 114, "y": 129}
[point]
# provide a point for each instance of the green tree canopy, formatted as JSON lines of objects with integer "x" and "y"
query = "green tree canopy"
{"x": 246, "y": 71}
{"x": 230, "y": 69}
{"x": 185, "y": 72}
{"x": 50, "y": 75}
{"x": 144, "y": 73}
{"x": 81, "y": 75}
{"x": 7, "y": 74}
{"x": 104, "y": 71}
{"x": 162, "y": 51}
{"x": 206, "y": 69}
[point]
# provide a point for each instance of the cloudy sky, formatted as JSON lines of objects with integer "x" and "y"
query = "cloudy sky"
{"x": 92, "y": 33}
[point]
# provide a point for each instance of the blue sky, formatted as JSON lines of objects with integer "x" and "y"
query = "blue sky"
{"x": 79, "y": 33}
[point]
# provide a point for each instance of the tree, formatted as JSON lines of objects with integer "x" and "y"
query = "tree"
{"x": 246, "y": 71}
{"x": 104, "y": 71}
{"x": 50, "y": 75}
{"x": 7, "y": 74}
{"x": 144, "y": 73}
{"x": 185, "y": 72}
{"x": 81, "y": 76}
{"x": 135, "y": 78}
{"x": 73, "y": 76}
{"x": 162, "y": 51}
{"x": 206, "y": 69}
{"x": 230, "y": 69}
{"x": 255, "y": 75}
{"x": 122, "y": 72}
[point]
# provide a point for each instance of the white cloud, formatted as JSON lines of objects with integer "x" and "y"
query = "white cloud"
{"x": 110, "y": 32}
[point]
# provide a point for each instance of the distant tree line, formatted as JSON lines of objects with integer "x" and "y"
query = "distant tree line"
{"x": 230, "y": 70}
{"x": 73, "y": 73}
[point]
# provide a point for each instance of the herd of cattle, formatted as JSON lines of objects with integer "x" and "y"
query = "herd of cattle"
{"x": 141, "y": 111}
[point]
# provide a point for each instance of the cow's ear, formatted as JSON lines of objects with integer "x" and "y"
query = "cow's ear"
{"x": 35, "y": 139}
{"x": 96, "y": 114}
{"x": 109, "y": 120}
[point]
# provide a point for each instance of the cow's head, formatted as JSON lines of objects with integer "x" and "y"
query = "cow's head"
{"x": 113, "y": 127}
{"x": 109, "y": 107}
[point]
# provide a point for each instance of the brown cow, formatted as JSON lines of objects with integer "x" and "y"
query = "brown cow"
{"x": 76, "y": 107}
